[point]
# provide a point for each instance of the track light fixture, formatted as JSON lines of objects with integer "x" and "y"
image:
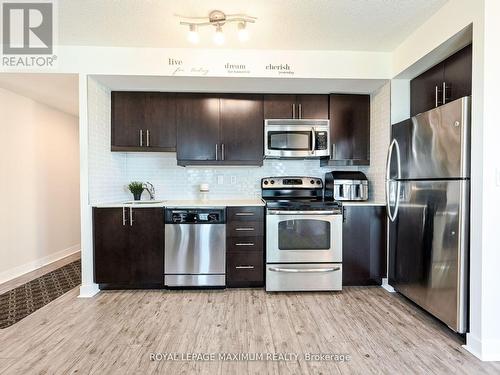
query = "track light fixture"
{"x": 217, "y": 19}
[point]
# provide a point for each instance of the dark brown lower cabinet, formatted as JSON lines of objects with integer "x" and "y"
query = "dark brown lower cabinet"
{"x": 364, "y": 245}
{"x": 245, "y": 269}
{"x": 245, "y": 247}
{"x": 128, "y": 247}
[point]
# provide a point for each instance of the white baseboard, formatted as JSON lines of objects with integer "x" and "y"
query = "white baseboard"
{"x": 23, "y": 269}
{"x": 386, "y": 286}
{"x": 485, "y": 350}
{"x": 88, "y": 290}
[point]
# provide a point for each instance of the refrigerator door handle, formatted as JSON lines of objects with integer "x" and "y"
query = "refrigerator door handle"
{"x": 395, "y": 144}
{"x": 388, "y": 165}
{"x": 392, "y": 216}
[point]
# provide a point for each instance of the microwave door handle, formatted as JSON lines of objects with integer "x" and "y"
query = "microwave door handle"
{"x": 313, "y": 132}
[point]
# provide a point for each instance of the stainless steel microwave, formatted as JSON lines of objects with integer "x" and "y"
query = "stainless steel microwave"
{"x": 296, "y": 138}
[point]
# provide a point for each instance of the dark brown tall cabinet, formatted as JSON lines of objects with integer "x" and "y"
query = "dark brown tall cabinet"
{"x": 142, "y": 121}
{"x": 128, "y": 246}
{"x": 443, "y": 83}
{"x": 364, "y": 245}
{"x": 303, "y": 106}
{"x": 349, "y": 130}
{"x": 219, "y": 129}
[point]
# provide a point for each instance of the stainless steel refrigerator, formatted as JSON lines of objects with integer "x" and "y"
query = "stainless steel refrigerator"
{"x": 427, "y": 187}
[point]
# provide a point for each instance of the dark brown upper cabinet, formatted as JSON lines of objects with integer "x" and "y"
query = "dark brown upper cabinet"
{"x": 312, "y": 106}
{"x": 306, "y": 106}
{"x": 447, "y": 81}
{"x": 142, "y": 121}
{"x": 349, "y": 130}
{"x": 241, "y": 128}
{"x": 280, "y": 106}
{"x": 197, "y": 120}
{"x": 220, "y": 129}
{"x": 128, "y": 246}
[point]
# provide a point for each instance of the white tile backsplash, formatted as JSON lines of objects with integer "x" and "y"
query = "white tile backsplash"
{"x": 380, "y": 128}
{"x": 175, "y": 182}
{"x": 107, "y": 170}
{"x": 110, "y": 171}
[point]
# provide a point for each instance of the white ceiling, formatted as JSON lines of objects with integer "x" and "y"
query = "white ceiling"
{"x": 59, "y": 91}
{"x": 374, "y": 25}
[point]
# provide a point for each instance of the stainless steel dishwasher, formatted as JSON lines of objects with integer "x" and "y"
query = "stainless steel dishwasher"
{"x": 195, "y": 247}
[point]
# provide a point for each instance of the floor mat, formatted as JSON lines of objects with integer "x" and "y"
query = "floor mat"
{"x": 22, "y": 301}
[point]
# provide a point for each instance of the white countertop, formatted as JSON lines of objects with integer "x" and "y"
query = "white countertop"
{"x": 185, "y": 203}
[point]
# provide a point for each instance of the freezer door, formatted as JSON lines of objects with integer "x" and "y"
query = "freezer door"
{"x": 429, "y": 242}
{"x": 440, "y": 142}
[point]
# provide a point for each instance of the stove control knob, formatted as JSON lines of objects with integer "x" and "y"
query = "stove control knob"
{"x": 266, "y": 182}
{"x": 272, "y": 182}
{"x": 318, "y": 182}
{"x": 312, "y": 182}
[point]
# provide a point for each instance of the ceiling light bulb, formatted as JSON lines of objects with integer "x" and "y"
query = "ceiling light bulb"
{"x": 219, "y": 36}
{"x": 193, "y": 35}
{"x": 243, "y": 34}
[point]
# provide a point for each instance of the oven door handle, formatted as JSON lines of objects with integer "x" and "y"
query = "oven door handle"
{"x": 304, "y": 270}
{"x": 278, "y": 212}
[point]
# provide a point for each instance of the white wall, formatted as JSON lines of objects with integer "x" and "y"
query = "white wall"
{"x": 39, "y": 187}
{"x": 490, "y": 189}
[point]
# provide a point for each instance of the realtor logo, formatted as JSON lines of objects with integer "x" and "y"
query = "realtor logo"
{"x": 28, "y": 28}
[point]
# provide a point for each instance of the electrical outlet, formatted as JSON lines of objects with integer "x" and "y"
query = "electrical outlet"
{"x": 220, "y": 179}
{"x": 233, "y": 180}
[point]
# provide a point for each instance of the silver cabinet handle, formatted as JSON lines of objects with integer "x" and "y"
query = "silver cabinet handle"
{"x": 244, "y": 214}
{"x": 124, "y": 217}
{"x": 222, "y": 151}
{"x": 332, "y": 156}
{"x": 245, "y": 244}
{"x": 140, "y": 137}
{"x": 444, "y": 92}
{"x": 216, "y": 151}
{"x": 293, "y": 110}
{"x": 313, "y": 139}
{"x": 245, "y": 229}
{"x": 147, "y": 137}
{"x": 436, "y": 96}
{"x": 300, "y": 110}
{"x": 304, "y": 270}
{"x": 131, "y": 217}
{"x": 244, "y": 267}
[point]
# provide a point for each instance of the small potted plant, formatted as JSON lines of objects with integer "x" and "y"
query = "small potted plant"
{"x": 136, "y": 188}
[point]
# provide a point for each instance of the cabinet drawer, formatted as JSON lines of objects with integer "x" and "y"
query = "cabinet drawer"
{"x": 245, "y": 213}
{"x": 243, "y": 244}
{"x": 245, "y": 228}
{"x": 245, "y": 269}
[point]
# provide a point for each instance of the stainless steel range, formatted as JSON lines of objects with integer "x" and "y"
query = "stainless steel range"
{"x": 303, "y": 235}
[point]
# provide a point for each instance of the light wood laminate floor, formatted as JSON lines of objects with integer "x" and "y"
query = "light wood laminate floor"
{"x": 116, "y": 331}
